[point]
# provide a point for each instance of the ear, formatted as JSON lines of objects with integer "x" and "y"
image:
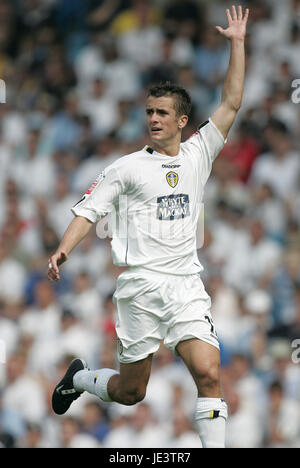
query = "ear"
{"x": 182, "y": 121}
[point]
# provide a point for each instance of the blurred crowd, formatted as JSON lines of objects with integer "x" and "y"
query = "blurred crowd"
{"x": 76, "y": 74}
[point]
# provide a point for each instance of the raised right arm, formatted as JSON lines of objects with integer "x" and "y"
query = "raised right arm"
{"x": 225, "y": 114}
{"x": 76, "y": 231}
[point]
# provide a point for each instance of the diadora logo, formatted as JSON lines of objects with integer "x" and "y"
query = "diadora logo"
{"x": 170, "y": 166}
{"x": 172, "y": 179}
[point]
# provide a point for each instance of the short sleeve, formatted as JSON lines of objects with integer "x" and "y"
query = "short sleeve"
{"x": 103, "y": 194}
{"x": 205, "y": 144}
{"x": 209, "y": 139}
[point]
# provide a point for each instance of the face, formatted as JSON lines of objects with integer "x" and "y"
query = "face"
{"x": 164, "y": 124}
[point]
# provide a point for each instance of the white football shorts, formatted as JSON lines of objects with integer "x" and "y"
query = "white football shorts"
{"x": 154, "y": 306}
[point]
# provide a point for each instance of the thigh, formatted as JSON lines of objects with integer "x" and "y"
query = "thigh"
{"x": 192, "y": 315}
{"x": 139, "y": 324}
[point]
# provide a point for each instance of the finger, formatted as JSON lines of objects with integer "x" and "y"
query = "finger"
{"x": 52, "y": 265}
{"x": 53, "y": 271}
{"x": 52, "y": 276}
{"x": 234, "y": 15}
{"x": 240, "y": 13}
{"x": 228, "y": 16}
{"x": 221, "y": 30}
{"x": 246, "y": 16}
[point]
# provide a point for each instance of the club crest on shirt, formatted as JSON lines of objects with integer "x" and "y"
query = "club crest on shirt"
{"x": 172, "y": 179}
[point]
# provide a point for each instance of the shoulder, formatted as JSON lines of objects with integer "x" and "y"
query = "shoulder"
{"x": 126, "y": 167}
{"x": 191, "y": 138}
{"x": 206, "y": 131}
{"x": 128, "y": 159}
{"x": 125, "y": 163}
{"x": 206, "y": 141}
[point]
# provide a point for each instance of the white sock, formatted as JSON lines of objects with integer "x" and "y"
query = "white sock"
{"x": 210, "y": 419}
{"x": 94, "y": 382}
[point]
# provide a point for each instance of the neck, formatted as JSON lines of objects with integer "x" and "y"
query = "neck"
{"x": 167, "y": 148}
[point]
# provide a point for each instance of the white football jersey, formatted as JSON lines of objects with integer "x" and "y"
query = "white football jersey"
{"x": 154, "y": 201}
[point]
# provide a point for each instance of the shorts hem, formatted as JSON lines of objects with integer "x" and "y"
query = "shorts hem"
{"x": 130, "y": 360}
{"x": 172, "y": 347}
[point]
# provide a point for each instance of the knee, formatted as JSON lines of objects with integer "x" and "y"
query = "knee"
{"x": 207, "y": 376}
{"x": 133, "y": 396}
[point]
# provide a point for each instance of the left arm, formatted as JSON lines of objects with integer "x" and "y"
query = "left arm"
{"x": 233, "y": 87}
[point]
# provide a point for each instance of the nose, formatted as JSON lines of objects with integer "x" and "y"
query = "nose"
{"x": 154, "y": 118}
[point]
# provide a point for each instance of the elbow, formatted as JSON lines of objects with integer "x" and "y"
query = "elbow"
{"x": 236, "y": 108}
{"x": 233, "y": 104}
{"x": 237, "y": 105}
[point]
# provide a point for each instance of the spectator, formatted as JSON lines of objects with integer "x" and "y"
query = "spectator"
{"x": 65, "y": 129}
{"x": 33, "y": 438}
{"x": 184, "y": 18}
{"x": 105, "y": 152}
{"x": 183, "y": 434}
{"x": 22, "y": 387}
{"x": 139, "y": 35}
{"x": 211, "y": 58}
{"x": 85, "y": 301}
{"x": 94, "y": 421}
{"x": 76, "y": 336}
{"x": 270, "y": 211}
{"x": 140, "y": 13}
{"x": 283, "y": 287}
{"x": 12, "y": 274}
{"x": 242, "y": 151}
{"x": 290, "y": 331}
{"x": 253, "y": 328}
{"x": 100, "y": 107}
{"x": 146, "y": 432}
{"x": 60, "y": 215}
{"x": 73, "y": 437}
{"x": 283, "y": 368}
{"x": 43, "y": 319}
{"x": 281, "y": 421}
{"x": 280, "y": 168}
{"x": 249, "y": 387}
{"x": 12, "y": 425}
{"x": 34, "y": 172}
{"x": 255, "y": 262}
{"x": 244, "y": 426}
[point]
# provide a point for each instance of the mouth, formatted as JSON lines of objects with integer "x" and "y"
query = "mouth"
{"x": 155, "y": 130}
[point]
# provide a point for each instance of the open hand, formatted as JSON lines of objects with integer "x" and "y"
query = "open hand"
{"x": 236, "y": 24}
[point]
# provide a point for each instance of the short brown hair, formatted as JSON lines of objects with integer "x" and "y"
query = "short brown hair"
{"x": 182, "y": 102}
